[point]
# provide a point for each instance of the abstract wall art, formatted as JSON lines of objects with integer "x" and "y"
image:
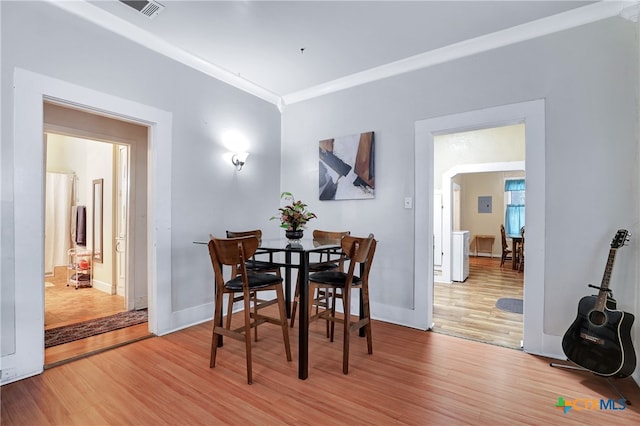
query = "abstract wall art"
{"x": 347, "y": 167}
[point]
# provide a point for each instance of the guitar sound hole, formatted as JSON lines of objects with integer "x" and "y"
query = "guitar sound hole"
{"x": 597, "y": 317}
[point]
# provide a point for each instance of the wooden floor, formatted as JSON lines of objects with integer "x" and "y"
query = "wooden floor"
{"x": 464, "y": 310}
{"x": 66, "y": 305}
{"x": 413, "y": 377}
{"x": 468, "y": 309}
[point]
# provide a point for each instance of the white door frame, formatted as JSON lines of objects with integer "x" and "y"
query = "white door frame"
{"x": 532, "y": 113}
{"x": 30, "y": 91}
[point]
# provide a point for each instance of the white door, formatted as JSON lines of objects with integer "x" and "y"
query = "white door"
{"x": 122, "y": 220}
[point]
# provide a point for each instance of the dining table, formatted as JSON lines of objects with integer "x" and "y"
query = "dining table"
{"x": 300, "y": 249}
{"x": 296, "y": 256}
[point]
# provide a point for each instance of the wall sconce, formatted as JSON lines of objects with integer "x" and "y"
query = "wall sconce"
{"x": 238, "y": 159}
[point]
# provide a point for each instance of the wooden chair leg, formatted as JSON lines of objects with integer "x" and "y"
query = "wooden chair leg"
{"x": 294, "y": 304}
{"x": 312, "y": 291}
{"x": 283, "y": 322}
{"x": 254, "y": 295}
{"x": 247, "y": 335}
{"x": 333, "y": 312}
{"x": 367, "y": 315}
{"x": 327, "y": 298}
{"x": 215, "y": 338}
{"x": 346, "y": 307}
{"x": 229, "y": 309}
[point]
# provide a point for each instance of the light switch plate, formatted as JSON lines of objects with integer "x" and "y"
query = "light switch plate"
{"x": 408, "y": 202}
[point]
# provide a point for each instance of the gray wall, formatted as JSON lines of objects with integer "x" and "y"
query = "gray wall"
{"x": 588, "y": 77}
{"x": 209, "y": 196}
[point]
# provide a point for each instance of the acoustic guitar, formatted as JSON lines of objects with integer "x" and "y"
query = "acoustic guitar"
{"x": 599, "y": 340}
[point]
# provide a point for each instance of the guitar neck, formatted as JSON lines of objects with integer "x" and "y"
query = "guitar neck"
{"x": 604, "y": 286}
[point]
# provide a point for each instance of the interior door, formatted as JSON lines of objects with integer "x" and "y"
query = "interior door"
{"x": 122, "y": 220}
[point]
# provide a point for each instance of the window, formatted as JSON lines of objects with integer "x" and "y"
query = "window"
{"x": 514, "y": 196}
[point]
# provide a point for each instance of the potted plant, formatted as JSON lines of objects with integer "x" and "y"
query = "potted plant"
{"x": 293, "y": 217}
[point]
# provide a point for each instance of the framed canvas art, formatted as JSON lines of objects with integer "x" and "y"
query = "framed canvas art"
{"x": 346, "y": 169}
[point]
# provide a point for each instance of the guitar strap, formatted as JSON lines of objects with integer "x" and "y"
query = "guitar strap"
{"x": 611, "y": 303}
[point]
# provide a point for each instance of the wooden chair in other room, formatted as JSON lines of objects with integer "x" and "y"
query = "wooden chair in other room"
{"x": 326, "y": 262}
{"x": 506, "y": 252}
{"x": 360, "y": 253}
{"x": 521, "y": 252}
{"x": 253, "y": 265}
{"x": 234, "y": 252}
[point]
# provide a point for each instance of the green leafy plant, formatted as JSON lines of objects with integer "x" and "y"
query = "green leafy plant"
{"x": 293, "y": 216}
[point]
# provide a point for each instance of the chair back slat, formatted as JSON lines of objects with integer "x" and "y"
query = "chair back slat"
{"x": 321, "y": 237}
{"x": 330, "y": 237}
{"x": 254, "y": 233}
{"x": 503, "y": 234}
{"x": 357, "y": 248}
{"x": 369, "y": 260}
{"x": 232, "y": 251}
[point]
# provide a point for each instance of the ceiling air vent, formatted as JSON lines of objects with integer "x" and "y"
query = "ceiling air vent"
{"x": 150, "y": 8}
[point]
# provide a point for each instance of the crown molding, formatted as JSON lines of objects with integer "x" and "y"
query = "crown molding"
{"x": 631, "y": 13}
{"x": 541, "y": 27}
{"x": 119, "y": 26}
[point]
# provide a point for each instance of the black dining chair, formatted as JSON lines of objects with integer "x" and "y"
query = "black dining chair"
{"x": 253, "y": 266}
{"x": 327, "y": 261}
{"x": 235, "y": 252}
{"x": 360, "y": 251}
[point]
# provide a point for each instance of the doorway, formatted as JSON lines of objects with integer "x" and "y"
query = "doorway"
{"x": 531, "y": 113}
{"x": 80, "y": 224}
{"x": 471, "y": 166}
{"x": 24, "y": 317}
{"x": 90, "y": 154}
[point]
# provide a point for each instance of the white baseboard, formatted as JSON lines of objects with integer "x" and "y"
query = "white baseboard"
{"x": 102, "y": 286}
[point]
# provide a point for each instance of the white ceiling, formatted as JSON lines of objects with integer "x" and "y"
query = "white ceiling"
{"x": 257, "y": 45}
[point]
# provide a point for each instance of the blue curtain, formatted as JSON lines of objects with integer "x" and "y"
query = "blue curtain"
{"x": 514, "y": 185}
{"x": 514, "y": 219}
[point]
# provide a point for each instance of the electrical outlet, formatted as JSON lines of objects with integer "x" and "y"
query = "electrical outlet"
{"x": 408, "y": 202}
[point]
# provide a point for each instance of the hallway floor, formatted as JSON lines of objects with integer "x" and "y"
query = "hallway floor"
{"x": 468, "y": 309}
{"x": 66, "y": 305}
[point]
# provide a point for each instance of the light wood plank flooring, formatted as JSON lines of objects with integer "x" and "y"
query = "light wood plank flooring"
{"x": 468, "y": 309}
{"x": 66, "y": 305}
{"x": 412, "y": 378}
{"x": 464, "y": 310}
